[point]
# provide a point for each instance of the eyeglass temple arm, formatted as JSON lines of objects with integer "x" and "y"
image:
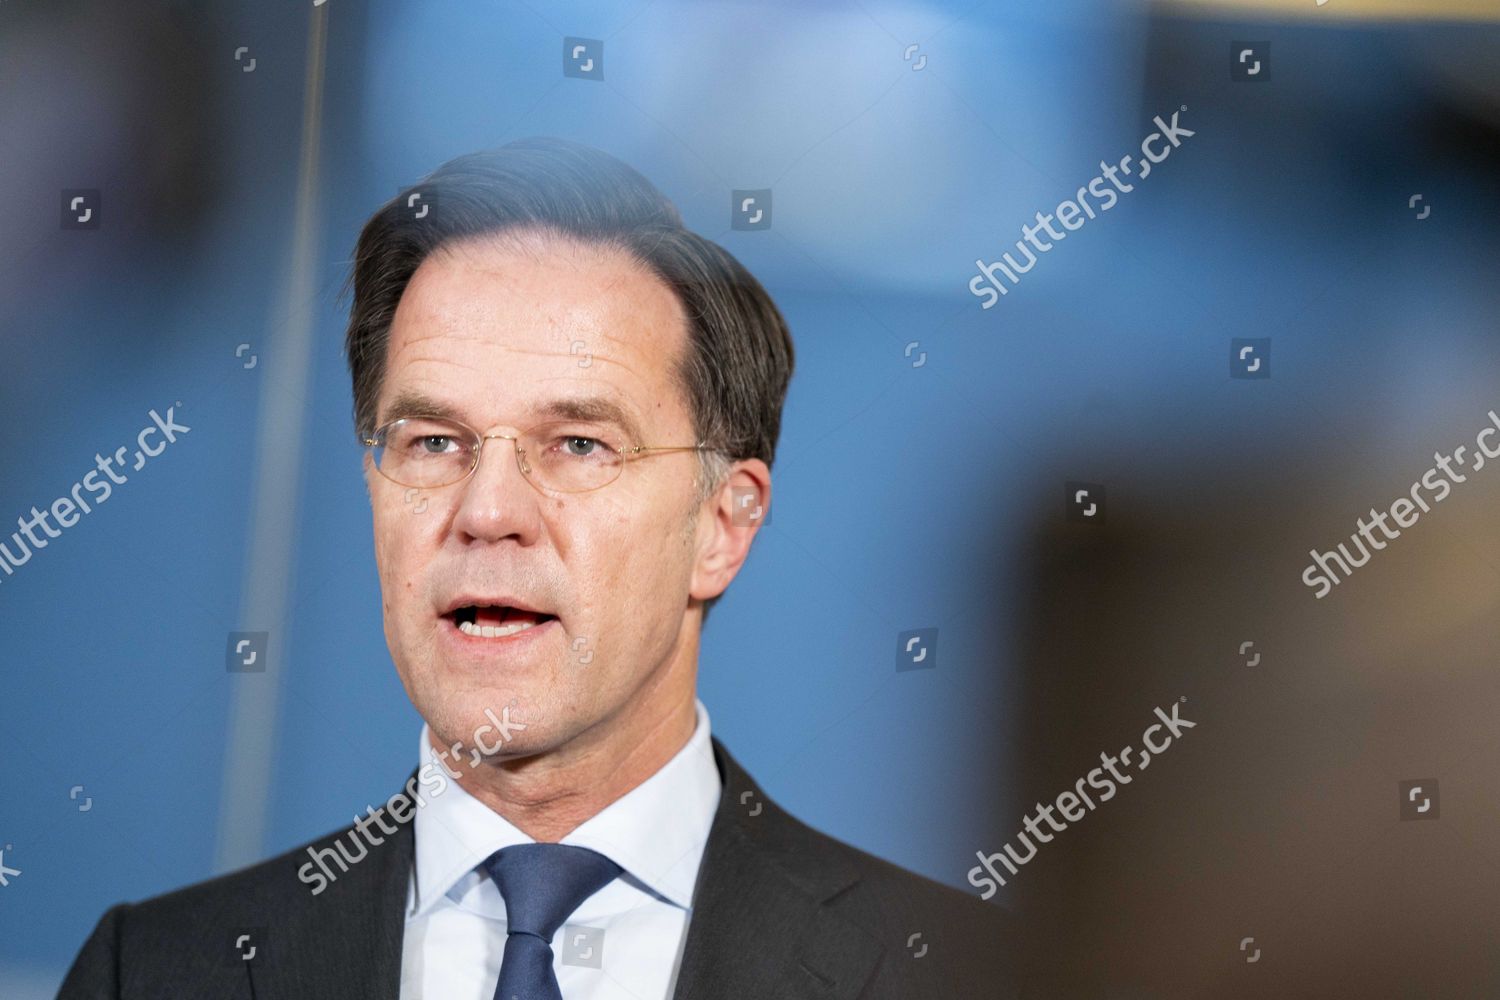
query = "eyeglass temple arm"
{"x": 664, "y": 447}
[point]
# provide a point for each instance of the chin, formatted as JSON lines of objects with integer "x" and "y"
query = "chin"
{"x": 499, "y": 723}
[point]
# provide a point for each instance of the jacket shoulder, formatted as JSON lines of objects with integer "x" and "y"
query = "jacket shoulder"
{"x": 887, "y": 891}
{"x": 202, "y": 932}
{"x": 273, "y": 882}
{"x": 935, "y": 940}
{"x": 869, "y": 890}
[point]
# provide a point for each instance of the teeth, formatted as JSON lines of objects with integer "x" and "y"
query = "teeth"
{"x": 492, "y": 631}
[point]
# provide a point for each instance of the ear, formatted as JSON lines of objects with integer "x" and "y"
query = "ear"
{"x": 727, "y": 524}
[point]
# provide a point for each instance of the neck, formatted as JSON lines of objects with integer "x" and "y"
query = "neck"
{"x": 547, "y": 795}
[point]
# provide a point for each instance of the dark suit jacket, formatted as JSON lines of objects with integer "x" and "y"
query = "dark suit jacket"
{"x": 780, "y": 912}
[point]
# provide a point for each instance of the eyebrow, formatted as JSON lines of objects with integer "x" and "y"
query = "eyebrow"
{"x": 593, "y": 409}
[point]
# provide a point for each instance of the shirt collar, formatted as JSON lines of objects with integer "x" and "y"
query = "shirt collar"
{"x": 656, "y": 831}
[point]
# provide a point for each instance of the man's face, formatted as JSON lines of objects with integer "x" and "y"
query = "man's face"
{"x": 489, "y": 332}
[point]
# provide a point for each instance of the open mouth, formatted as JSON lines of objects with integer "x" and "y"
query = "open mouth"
{"x": 490, "y": 621}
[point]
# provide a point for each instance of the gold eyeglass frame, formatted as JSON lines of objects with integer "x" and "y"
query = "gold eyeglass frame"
{"x": 627, "y": 453}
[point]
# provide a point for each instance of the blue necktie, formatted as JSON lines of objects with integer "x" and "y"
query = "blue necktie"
{"x": 542, "y": 885}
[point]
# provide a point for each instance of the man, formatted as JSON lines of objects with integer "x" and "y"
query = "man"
{"x": 571, "y": 406}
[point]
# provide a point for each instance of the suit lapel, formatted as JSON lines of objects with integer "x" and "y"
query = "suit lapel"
{"x": 758, "y": 925}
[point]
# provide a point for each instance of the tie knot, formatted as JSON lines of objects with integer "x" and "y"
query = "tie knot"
{"x": 542, "y": 884}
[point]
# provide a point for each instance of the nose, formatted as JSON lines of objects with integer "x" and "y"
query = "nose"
{"x": 496, "y": 501}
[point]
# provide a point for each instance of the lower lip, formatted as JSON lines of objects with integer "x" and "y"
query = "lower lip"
{"x": 515, "y": 640}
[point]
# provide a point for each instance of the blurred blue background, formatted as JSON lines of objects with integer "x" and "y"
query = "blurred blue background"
{"x": 925, "y": 444}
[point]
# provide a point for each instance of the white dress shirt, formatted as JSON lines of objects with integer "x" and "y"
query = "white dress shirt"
{"x": 455, "y": 916}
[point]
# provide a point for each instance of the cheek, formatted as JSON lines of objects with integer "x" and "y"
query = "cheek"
{"x": 401, "y": 537}
{"x": 385, "y": 543}
{"x": 632, "y": 557}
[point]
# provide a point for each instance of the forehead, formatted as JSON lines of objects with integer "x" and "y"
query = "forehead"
{"x": 497, "y": 329}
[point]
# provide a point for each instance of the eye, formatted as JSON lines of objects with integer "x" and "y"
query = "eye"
{"x": 417, "y": 438}
{"x": 435, "y": 444}
{"x": 584, "y": 447}
{"x": 570, "y": 446}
